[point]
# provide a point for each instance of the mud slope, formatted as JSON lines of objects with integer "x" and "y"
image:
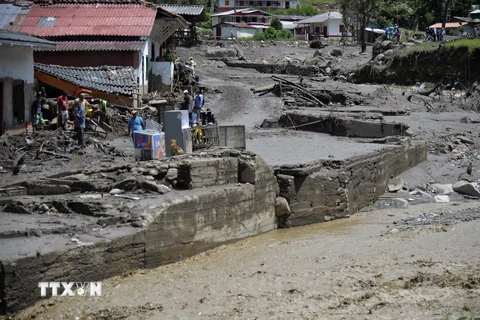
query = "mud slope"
{"x": 412, "y": 65}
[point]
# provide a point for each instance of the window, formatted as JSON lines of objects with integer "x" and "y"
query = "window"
{"x": 342, "y": 28}
{"x": 241, "y": 3}
{"x": 269, "y": 3}
{"x": 227, "y": 3}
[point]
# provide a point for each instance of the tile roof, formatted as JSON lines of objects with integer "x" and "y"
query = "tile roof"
{"x": 121, "y": 80}
{"x": 192, "y": 10}
{"x": 21, "y": 39}
{"x": 11, "y": 15}
{"x": 98, "y": 46}
{"x": 89, "y": 20}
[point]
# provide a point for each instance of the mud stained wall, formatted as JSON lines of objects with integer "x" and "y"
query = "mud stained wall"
{"x": 197, "y": 223}
{"x": 332, "y": 190}
{"x": 85, "y": 263}
{"x": 443, "y": 64}
{"x": 201, "y": 219}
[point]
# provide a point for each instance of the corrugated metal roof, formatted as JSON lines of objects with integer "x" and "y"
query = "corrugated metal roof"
{"x": 98, "y": 46}
{"x": 240, "y": 12}
{"x": 121, "y": 80}
{"x": 89, "y": 20}
{"x": 322, "y": 17}
{"x": 11, "y": 16}
{"x": 21, "y": 39}
{"x": 192, "y": 10}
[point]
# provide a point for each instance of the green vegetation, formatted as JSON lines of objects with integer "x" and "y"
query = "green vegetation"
{"x": 302, "y": 10}
{"x": 272, "y": 34}
{"x": 276, "y": 24}
{"x": 471, "y": 44}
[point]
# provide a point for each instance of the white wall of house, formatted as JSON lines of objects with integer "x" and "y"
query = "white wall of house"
{"x": 16, "y": 62}
{"x": 143, "y": 67}
{"x": 242, "y": 32}
{"x": 165, "y": 70}
{"x": 16, "y": 65}
{"x": 333, "y": 27}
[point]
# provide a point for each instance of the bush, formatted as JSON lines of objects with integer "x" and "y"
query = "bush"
{"x": 259, "y": 36}
{"x": 284, "y": 34}
{"x": 276, "y": 24}
{"x": 270, "y": 33}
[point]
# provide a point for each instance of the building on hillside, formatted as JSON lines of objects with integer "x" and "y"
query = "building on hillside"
{"x": 192, "y": 14}
{"x": 240, "y": 19}
{"x": 227, "y": 5}
{"x": 325, "y": 25}
{"x": 95, "y": 33}
{"x": 16, "y": 76}
{"x": 225, "y": 30}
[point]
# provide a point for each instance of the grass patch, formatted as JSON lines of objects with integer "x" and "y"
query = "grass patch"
{"x": 471, "y": 44}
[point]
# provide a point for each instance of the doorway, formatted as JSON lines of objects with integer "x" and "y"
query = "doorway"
{"x": 325, "y": 31}
{"x": 18, "y": 101}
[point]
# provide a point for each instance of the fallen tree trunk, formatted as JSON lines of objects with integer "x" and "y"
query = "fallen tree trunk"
{"x": 296, "y": 86}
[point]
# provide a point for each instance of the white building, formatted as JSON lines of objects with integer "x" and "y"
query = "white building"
{"x": 325, "y": 25}
{"x": 226, "y": 5}
{"x": 245, "y": 21}
{"x": 16, "y": 76}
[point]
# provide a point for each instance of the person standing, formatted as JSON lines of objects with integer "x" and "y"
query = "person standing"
{"x": 135, "y": 123}
{"x": 80, "y": 120}
{"x": 186, "y": 101}
{"x": 37, "y": 112}
{"x": 62, "y": 106}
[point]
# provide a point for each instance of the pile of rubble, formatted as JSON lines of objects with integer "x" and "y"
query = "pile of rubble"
{"x": 40, "y": 147}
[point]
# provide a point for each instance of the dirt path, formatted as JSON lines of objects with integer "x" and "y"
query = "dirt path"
{"x": 362, "y": 267}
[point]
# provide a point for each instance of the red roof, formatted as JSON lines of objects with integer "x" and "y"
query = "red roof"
{"x": 89, "y": 20}
{"x": 97, "y": 46}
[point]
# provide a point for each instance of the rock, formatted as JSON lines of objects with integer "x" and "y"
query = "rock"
{"x": 116, "y": 191}
{"x": 153, "y": 172}
{"x": 317, "y": 53}
{"x": 386, "y": 44}
{"x": 43, "y": 208}
{"x": 442, "y": 188}
{"x": 388, "y": 54}
{"x": 336, "y": 52}
{"x": 379, "y": 57}
{"x": 220, "y": 53}
{"x": 15, "y": 208}
{"x": 441, "y": 199}
{"x": 78, "y": 177}
{"x": 149, "y": 185}
{"x": 162, "y": 189}
{"x": 395, "y": 184}
{"x": 467, "y": 188}
{"x": 466, "y": 120}
{"x": 150, "y": 178}
{"x": 465, "y": 140}
{"x": 282, "y": 207}
{"x": 221, "y": 64}
{"x": 172, "y": 174}
{"x": 394, "y": 230}
{"x": 399, "y": 203}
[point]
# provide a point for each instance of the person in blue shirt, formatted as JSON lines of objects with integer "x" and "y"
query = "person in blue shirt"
{"x": 135, "y": 123}
{"x": 79, "y": 122}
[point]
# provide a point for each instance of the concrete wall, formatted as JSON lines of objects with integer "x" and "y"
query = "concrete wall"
{"x": 232, "y": 136}
{"x": 216, "y": 211}
{"x": 164, "y": 69}
{"x": 239, "y": 32}
{"x": 335, "y": 189}
{"x": 16, "y": 63}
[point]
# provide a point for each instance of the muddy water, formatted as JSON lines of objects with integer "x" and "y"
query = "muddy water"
{"x": 352, "y": 268}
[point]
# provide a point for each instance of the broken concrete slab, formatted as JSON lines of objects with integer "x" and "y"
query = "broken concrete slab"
{"x": 16, "y": 208}
{"x": 442, "y": 189}
{"x": 395, "y": 184}
{"x": 467, "y": 188}
{"x": 35, "y": 188}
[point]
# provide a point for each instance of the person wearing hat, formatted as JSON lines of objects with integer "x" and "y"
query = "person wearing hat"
{"x": 135, "y": 123}
{"x": 186, "y": 101}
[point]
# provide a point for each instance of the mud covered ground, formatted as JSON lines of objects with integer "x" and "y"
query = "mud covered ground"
{"x": 381, "y": 264}
{"x": 375, "y": 265}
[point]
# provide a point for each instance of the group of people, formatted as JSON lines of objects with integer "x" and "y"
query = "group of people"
{"x": 79, "y": 114}
{"x": 392, "y": 32}
{"x": 434, "y": 34}
{"x": 195, "y": 111}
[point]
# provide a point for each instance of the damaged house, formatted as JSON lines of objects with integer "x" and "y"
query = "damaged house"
{"x": 92, "y": 35}
{"x": 16, "y": 76}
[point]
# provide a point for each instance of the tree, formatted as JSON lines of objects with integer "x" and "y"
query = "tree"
{"x": 360, "y": 12}
{"x": 276, "y": 24}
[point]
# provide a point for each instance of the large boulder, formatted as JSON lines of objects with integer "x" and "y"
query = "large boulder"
{"x": 281, "y": 207}
{"x": 442, "y": 188}
{"x": 220, "y": 53}
{"x": 467, "y": 188}
{"x": 395, "y": 184}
